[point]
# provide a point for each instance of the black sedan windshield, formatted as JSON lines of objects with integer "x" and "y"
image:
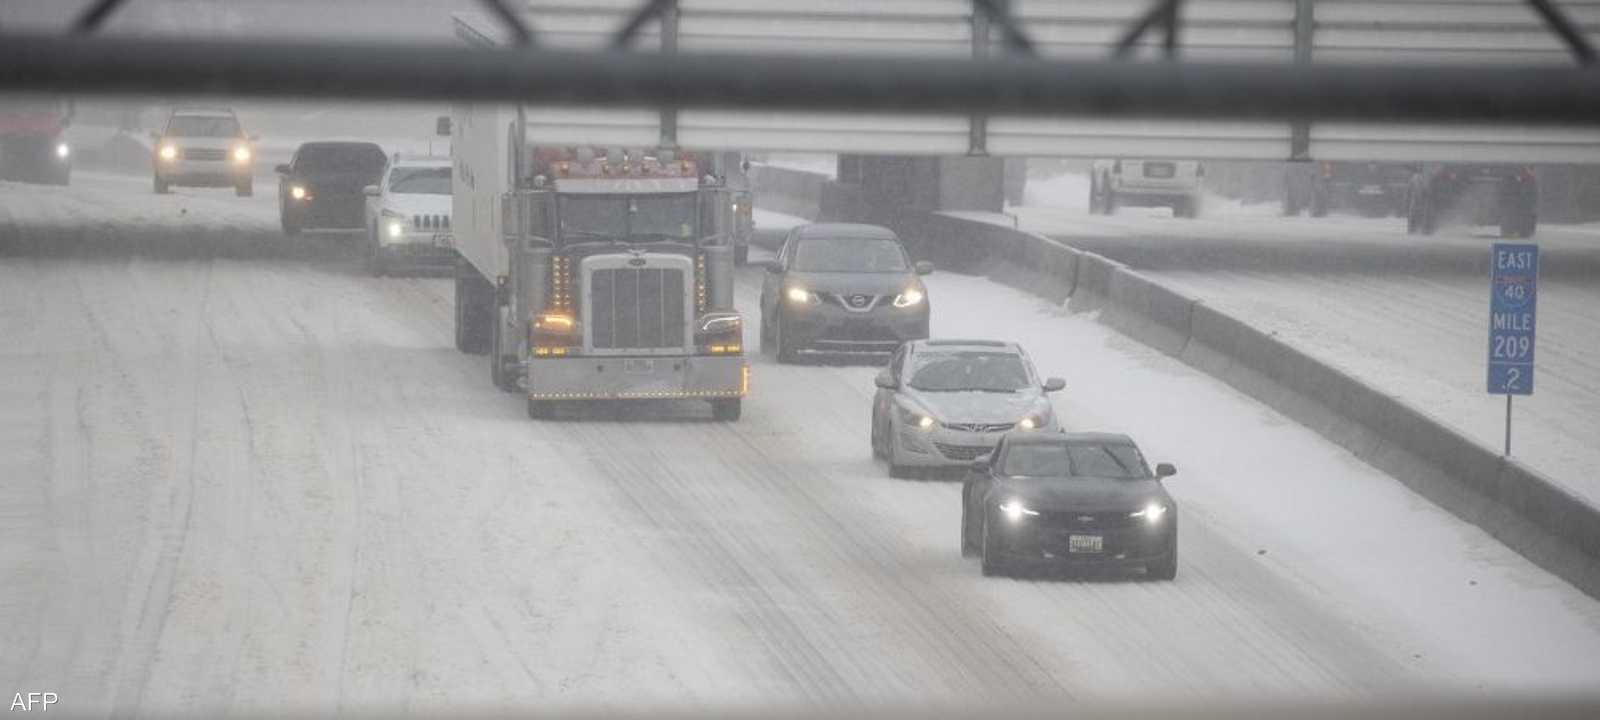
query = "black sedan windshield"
{"x": 979, "y": 371}
{"x": 850, "y": 255}
{"x": 1101, "y": 460}
{"x": 340, "y": 159}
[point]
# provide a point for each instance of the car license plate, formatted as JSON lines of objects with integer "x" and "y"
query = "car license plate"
{"x": 639, "y": 366}
{"x": 1085, "y": 543}
{"x": 1371, "y": 190}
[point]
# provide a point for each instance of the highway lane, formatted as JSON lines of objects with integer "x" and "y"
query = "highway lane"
{"x": 268, "y": 483}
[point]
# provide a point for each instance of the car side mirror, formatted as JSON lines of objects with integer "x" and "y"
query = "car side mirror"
{"x": 1165, "y": 470}
{"x": 923, "y": 267}
{"x": 281, "y": 169}
{"x": 981, "y": 463}
{"x": 1054, "y": 384}
{"x": 774, "y": 267}
{"x": 371, "y": 191}
{"x": 885, "y": 380}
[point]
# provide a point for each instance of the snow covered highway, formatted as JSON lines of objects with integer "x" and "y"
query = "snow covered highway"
{"x": 257, "y": 480}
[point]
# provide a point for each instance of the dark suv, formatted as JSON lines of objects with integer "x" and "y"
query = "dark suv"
{"x": 322, "y": 186}
{"x": 1371, "y": 189}
{"x": 1503, "y": 195}
{"x": 842, "y": 289}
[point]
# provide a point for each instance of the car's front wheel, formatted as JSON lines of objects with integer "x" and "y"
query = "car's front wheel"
{"x": 968, "y": 548}
{"x": 160, "y": 186}
{"x": 788, "y": 354}
{"x": 990, "y": 554}
{"x": 245, "y": 188}
{"x": 1166, "y": 568}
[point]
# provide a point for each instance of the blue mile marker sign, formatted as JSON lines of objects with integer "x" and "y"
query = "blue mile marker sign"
{"x": 1513, "y": 306}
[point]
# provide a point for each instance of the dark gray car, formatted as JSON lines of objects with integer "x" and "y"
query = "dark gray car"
{"x": 1069, "y": 499}
{"x": 842, "y": 289}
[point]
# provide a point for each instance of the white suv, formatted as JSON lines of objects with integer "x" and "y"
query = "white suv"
{"x": 408, "y": 216}
{"x": 205, "y": 148}
{"x": 1146, "y": 183}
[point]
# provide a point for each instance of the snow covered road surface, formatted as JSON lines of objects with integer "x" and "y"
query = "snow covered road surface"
{"x": 268, "y": 483}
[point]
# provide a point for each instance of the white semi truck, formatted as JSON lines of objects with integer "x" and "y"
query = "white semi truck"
{"x": 592, "y": 274}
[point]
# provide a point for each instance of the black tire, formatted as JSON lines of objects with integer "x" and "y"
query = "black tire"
{"x": 968, "y": 548}
{"x": 245, "y": 189}
{"x": 741, "y": 255}
{"x": 788, "y": 354}
{"x": 540, "y": 409}
{"x": 474, "y": 302}
{"x": 727, "y": 409}
{"x": 377, "y": 263}
{"x": 896, "y": 470}
{"x": 1165, "y": 568}
{"x": 161, "y": 186}
{"x": 876, "y": 439}
{"x": 1319, "y": 204}
{"x": 990, "y": 559}
{"x": 499, "y": 361}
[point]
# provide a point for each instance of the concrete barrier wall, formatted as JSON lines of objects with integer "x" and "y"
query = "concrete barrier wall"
{"x": 1520, "y": 507}
{"x": 791, "y": 192}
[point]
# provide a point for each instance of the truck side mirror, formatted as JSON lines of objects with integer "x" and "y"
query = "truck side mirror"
{"x": 441, "y": 126}
{"x": 1165, "y": 470}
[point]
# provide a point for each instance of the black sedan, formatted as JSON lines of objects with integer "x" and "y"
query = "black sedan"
{"x": 321, "y": 188}
{"x": 1072, "y": 500}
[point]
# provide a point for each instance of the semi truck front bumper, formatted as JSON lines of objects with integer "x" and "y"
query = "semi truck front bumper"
{"x": 637, "y": 378}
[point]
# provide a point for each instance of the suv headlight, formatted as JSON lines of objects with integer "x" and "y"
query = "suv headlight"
{"x": 911, "y": 296}
{"x": 168, "y": 152}
{"x": 801, "y": 296}
{"x": 241, "y": 154}
{"x": 920, "y": 421}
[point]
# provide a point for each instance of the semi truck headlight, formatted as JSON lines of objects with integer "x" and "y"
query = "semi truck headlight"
{"x": 1014, "y": 510}
{"x": 802, "y": 296}
{"x": 720, "y": 333}
{"x": 63, "y": 150}
{"x": 1152, "y": 513}
{"x": 297, "y": 192}
{"x": 912, "y": 296}
{"x": 169, "y": 152}
{"x": 241, "y": 154}
{"x": 396, "y": 228}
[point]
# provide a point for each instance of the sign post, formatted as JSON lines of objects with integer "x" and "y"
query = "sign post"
{"x": 1513, "y": 309}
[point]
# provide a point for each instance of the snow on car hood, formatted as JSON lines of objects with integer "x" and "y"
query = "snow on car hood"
{"x": 889, "y": 283}
{"x": 417, "y": 204}
{"x": 979, "y": 407}
{"x": 1087, "y": 494}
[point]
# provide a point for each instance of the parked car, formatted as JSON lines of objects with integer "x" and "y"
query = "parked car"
{"x": 1368, "y": 188}
{"x": 942, "y": 403}
{"x": 1069, "y": 500}
{"x": 1506, "y": 196}
{"x": 321, "y": 186}
{"x": 842, "y": 289}
{"x": 1146, "y": 183}
{"x": 408, "y": 216}
{"x": 204, "y": 148}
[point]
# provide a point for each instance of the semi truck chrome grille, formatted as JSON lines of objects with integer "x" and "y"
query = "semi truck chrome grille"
{"x": 637, "y": 308}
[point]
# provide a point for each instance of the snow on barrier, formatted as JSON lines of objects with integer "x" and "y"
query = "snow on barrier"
{"x": 1522, "y": 508}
